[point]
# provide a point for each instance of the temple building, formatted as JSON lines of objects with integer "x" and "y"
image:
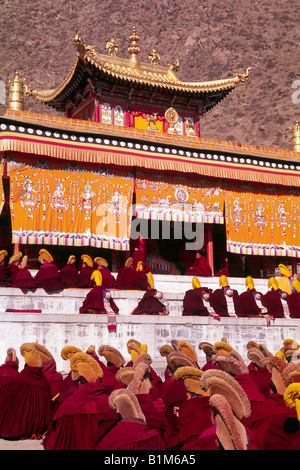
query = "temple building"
{"x": 127, "y": 154}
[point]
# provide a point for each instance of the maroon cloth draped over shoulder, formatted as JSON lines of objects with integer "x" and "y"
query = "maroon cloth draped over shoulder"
{"x": 25, "y": 405}
{"x": 69, "y": 276}
{"x": 108, "y": 280}
{"x": 262, "y": 377}
{"x": 94, "y": 302}
{"x": 79, "y": 417}
{"x": 25, "y": 281}
{"x": 48, "y": 278}
{"x": 219, "y": 304}
{"x": 155, "y": 417}
{"x": 193, "y": 303}
{"x": 199, "y": 268}
{"x": 249, "y": 386}
{"x": 261, "y": 418}
{"x": 194, "y": 417}
{"x": 84, "y": 277}
{"x": 8, "y": 372}
{"x": 13, "y": 268}
{"x": 271, "y": 300}
{"x": 109, "y": 378}
{"x": 128, "y": 279}
{"x": 248, "y": 306}
{"x": 149, "y": 304}
{"x": 54, "y": 378}
{"x": 130, "y": 434}
{"x": 5, "y": 276}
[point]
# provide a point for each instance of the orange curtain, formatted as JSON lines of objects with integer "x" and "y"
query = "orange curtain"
{"x": 167, "y": 197}
{"x": 262, "y": 224}
{"x": 74, "y": 208}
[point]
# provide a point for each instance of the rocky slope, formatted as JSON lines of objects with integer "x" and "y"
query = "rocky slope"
{"x": 211, "y": 38}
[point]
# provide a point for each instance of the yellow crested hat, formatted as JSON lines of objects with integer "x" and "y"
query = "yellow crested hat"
{"x": 223, "y": 281}
{"x": 129, "y": 262}
{"x": 87, "y": 260}
{"x": 284, "y": 270}
{"x": 97, "y": 277}
{"x": 249, "y": 282}
{"x": 272, "y": 282}
{"x": 195, "y": 283}
{"x": 46, "y": 255}
{"x": 15, "y": 257}
{"x": 150, "y": 280}
{"x": 101, "y": 262}
{"x": 191, "y": 378}
{"x": 3, "y": 253}
{"x": 86, "y": 366}
{"x": 140, "y": 266}
{"x": 71, "y": 259}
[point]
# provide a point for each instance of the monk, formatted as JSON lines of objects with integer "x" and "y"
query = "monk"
{"x": 152, "y": 302}
{"x": 13, "y": 264}
{"x": 127, "y": 278}
{"x": 5, "y": 273}
{"x": 84, "y": 275}
{"x": 69, "y": 274}
{"x": 285, "y": 280}
{"x": 98, "y": 300}
{"x": 193, "y": 300}
{"x": 225, "y": 301}
{"x": 293, "y": 299}
{"x": 24, "y": 279}
{"x": 48, "y": 276}
{"x": 272, "y": 300}
{"x": 108, "y": 280}
{"x": 250, "y": 300}
{"x": 200, "y": 267}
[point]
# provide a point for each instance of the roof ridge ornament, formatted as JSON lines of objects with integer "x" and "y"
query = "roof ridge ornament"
{"x": 112, "y": 46}
{"x": 80, "y": 44}
{"x": 134, "y": 49}
{"x": 154, "y": 56}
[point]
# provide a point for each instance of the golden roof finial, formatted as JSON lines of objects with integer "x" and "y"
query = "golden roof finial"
{"x": 295, "y": 137}
{"x": 16, "y": 93}
{"x": 134, "y": 49}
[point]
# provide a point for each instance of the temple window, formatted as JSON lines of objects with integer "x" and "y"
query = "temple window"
{"x": 106, "y": 113}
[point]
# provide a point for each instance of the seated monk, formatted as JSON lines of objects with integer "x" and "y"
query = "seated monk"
{"x": 48, "y": 276}
{"x": 293, "y": 299}
{"x": 69, "y": 274}
{"x": 285, "y": 280}
{"x": 108, "y": 280}
{"x": 84, "y": 275}
{"x": 5, "y": 273}
{"x": 127, "y": 278}
{"x": 24, "y": 279}
{"x": 14, "y": 263}
{"x": 250, "y": 301}
{"x": 193, "y": 299}
{"x": 142, "y": 275}
{"x": 200, "y": 267}
{"x": 98, "y": 300}
{"x": 275, "y": 300}
{"x": 225, "y": 301}
{"x": 152, "y": 303}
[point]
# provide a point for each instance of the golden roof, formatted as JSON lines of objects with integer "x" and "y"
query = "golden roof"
{"x": 133, "y": 72}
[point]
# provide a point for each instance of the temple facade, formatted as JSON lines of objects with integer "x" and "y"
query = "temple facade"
{"x": 125, "y": 164}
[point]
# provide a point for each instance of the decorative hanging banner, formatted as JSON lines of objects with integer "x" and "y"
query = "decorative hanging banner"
{"x": 162, "y": 197}
{"x": 262, "y": 224}
{"x": 70, "y": 208}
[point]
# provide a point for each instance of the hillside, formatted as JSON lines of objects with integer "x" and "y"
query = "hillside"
{"x": 212, "y": 39}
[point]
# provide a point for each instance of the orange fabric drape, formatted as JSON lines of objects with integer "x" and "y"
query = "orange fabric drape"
{"x": 70, "y": 208}
{"x": 262, "y": 224}
{"x": 165, "y": 198}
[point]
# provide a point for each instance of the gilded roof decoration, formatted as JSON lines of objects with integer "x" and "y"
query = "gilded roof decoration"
{"x": 134, "y": 72}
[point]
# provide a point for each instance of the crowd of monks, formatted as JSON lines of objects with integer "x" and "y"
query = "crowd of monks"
{"x": 282, "y": 299}
{"x": 103, "y": 401}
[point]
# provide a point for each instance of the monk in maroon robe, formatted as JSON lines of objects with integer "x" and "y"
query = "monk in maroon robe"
{"x": 5, "y": 273}
{"x": 84, "y": 412}
{"x": 98, "y": 300}
{"x": 25, "y": 403}
{"x": 293, "y": 299}
{"x": 9, "y": 369}
{"x": 152, "y": 303}
{"x": 193, "y": 300}
{"x": 272, "y": 300}
{"x": 69, "y": 274}
{"x": 84, "y": 275}
{"x": 24, "y": 279}
{"x": 128, "y": 278}
{"x": 13, "y": 264}
{"x": 48, "y": 276}
{"x": 249, "y": 301}
{"x": 220, "y": 303}
{"x": 200, "y": 267}
{"x": 108, "y": 280}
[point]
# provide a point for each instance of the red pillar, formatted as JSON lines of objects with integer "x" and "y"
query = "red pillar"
{"x": 210, "y": 248}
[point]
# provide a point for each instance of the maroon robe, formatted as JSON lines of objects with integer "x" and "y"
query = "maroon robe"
{"x": 25, "y": 405}
{"x": 199, "y": 268}
{"x": 194, "y": 417}
{"x": 69, "y": 276}
{"x": 128, "y": 279}
{"x": 149, "y": 305}
{"x": 293, "y": 301}
{"x": 13, "y": 268}
{"x": 248, "y": 306}
{"x": 109, "y": 378}
{"x": 84, "y": 277}
{"x": 130, "y": 434}
{"x": 5, "y": 276}
{"x": 48, "y": 278}
{"x": 262, "y": 378}
{"x": 108, "y": 280}
{"x": 154, "y": 412}
{"x": 251, "y": 389}
{"x": 193, "y": 303}
{"x": 271, "y": 300}
{"x": 78, "y": 418}
{"x": 94, "y": 302}
{"x": 25, "y": 281}
{"x": 8, "y": 371}
{"x": 218, "y": 302}
{"x": 273, "y": 408}
{"x": 277, "y": 437}
{"x": 54, "y": 378}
